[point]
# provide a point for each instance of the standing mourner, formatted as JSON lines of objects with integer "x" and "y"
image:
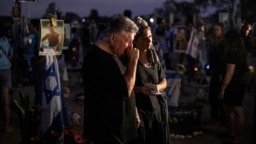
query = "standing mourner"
{"x": 149, "y": 89}
{"x": 232, "y": 89}
{"x": 36, "y": 61}
{"x": 215, "y": 58}
{"x": 202, "y": 51}
{"x": 161, "y": 37}
{"x": 246, "y": 33}
{"x": 110, "y": 114}
{"x": 5, "y": 78}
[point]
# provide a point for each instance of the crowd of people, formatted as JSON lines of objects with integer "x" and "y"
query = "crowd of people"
{"x": 221, "y": 48}
{"x": 124, "y": 77}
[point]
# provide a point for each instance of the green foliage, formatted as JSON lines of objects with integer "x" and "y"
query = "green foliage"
{"x": 28, "y": 114}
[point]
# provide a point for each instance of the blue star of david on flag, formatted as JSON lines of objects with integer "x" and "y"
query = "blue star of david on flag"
{"x": 51, "y": 86}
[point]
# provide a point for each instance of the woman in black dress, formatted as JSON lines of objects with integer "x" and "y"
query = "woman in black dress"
{"x": 215, "y": 59}
{"x": 149, "y": 89}
{"x": 232, "y": 90}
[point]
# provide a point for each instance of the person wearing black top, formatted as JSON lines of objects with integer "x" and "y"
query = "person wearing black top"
{"x": 232, "y": 90}
{"x": 149, "y": 89}
{"x": 215, "y": 59}
{"x": 110, "y": 114}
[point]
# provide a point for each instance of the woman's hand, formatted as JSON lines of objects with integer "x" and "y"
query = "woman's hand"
{"x": 137, "y": 117}
{"x": 221, "y": 94}
{"x": 146, "y": 90}
{"x": 152, "y": 87}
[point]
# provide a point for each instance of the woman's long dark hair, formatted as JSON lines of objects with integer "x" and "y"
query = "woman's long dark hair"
{"x": 210, "y": 34}
{"x": 234, "y": 43}
{"x": 151, "y": 53}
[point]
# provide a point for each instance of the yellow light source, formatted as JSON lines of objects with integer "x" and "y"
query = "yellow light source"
{"x": 196, "y": 69}
{"x": 251, "y": 69}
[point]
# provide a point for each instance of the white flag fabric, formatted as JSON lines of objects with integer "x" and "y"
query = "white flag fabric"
{"x": 52, "y": 116}
{"x": 192, "y": 47}
{"x": 173, "y": 88}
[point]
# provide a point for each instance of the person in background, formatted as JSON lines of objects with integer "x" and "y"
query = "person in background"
{"x": 5, "y": 78}
{"x": 202, "y": 51}
{"x": 16, "y": 12}
{"x": 215, "y": 58}
{"x": 101, "y": 31}
{"x": 85, "y": 38}
{"x": 149, "y": 89}
{"x": 31, "y": 50}
{"x": 171, "y": 40}
{"x": 37, "y": 62}
{"x": 232, "y": 91}
{"x": 192, "y": 48}
{"x": 93, "y": 27}
{"x": 161, "y": 38}
{"x": 180, "y": 46}
{"x": 110, "y": 114}
{"x": 173, "y": 31}
{"x": 127, "y": 13}
{"x": 246, "y": 33}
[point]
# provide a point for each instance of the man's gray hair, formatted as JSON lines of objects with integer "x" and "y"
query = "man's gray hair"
{"x": 122, "y": 23}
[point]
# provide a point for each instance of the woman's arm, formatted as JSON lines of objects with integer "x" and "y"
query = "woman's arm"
{"x": 161, "y": 86}
{"x": 148, "y": 88}
{"x": 230, "y": 68}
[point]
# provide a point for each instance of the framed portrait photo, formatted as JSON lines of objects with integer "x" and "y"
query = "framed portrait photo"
{"x": 180, "y": 39}
{"x": 51, "y": 37}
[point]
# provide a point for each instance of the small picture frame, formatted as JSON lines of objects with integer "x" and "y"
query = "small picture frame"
{"x": 51, "y": 37}
{"x": 180, "y": 39}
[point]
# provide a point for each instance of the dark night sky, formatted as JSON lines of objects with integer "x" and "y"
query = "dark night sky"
{"x": 83, "y": 7}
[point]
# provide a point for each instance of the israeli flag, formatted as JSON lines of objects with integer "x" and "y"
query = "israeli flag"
{"x": 52, "y": 116}
{"x": 192, "y": 47}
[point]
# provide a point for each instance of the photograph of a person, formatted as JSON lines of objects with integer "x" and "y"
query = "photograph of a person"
{"x": 181, "y": 38}
{"x": 52, "y": 37}
{"x": 67, "y": 36}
